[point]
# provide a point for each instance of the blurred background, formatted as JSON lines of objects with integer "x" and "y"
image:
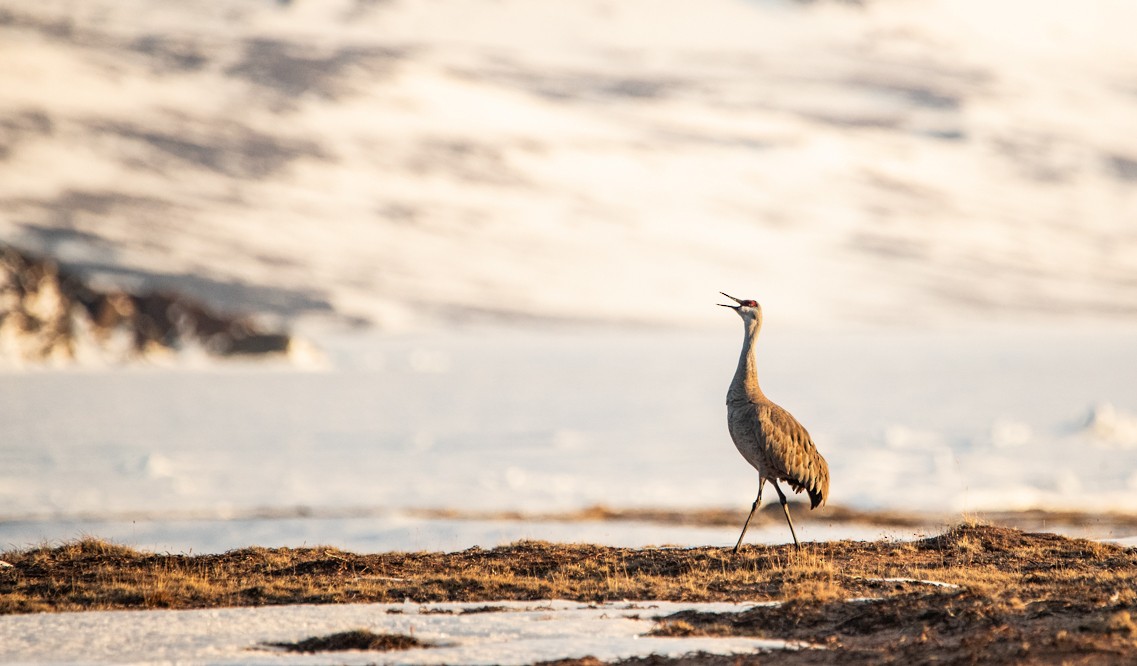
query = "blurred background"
{"x": 480, "y": 243}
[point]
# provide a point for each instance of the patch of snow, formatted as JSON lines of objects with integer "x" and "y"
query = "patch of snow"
{"x": 521, "y": 633}
{"x": 934, "y": 583}
{"x": 1127, "y": 542}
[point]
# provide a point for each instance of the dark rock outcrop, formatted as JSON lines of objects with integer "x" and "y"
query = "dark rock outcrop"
{"x": 49, "y": 315}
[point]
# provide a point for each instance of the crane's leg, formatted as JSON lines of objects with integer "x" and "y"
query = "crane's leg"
{"x": 761, "y": 484}
{"x": 786, "y": 509}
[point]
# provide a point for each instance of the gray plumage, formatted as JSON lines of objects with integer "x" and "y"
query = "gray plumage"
{"x": 767, "y": 436}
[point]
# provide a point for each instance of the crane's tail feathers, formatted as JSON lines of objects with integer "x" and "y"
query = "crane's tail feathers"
{"x": 816, "y": 495}
{"x": 816, "y": 499}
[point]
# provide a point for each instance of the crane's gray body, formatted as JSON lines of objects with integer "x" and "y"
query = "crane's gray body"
{"x": 767, "y": 436}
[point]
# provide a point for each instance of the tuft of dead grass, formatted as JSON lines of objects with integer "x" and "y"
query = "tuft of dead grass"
{"x": 1122, "y": 623}
{"x": 356, "y": 639}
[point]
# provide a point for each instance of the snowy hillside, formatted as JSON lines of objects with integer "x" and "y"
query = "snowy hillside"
{"x": 407, "y": 163}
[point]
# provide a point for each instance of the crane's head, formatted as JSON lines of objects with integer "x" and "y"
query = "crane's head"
{"x": 749, "y": 310}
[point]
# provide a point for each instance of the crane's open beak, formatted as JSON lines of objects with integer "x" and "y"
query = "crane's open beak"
{"x": 731, "y": 298}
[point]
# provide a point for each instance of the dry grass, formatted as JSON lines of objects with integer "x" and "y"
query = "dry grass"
{"x": 91, "y": 574}
{"x": 356, "y": 639}
{"x": 1049, "y": 598}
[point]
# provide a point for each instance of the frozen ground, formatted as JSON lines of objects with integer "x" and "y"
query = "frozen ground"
{"x": 519, "y": 633}
{"x": 216, "y": 457}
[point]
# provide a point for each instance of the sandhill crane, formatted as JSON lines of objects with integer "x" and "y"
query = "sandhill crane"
{"x": 767, "y": 436}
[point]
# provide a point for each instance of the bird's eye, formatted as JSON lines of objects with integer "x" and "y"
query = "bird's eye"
{"x": 750, "y": 304}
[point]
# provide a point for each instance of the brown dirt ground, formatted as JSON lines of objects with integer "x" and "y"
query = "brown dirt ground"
{"x": 1017, "y": 598}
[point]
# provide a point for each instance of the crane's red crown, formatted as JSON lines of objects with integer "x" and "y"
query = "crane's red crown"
{"x": 747, "y": 303}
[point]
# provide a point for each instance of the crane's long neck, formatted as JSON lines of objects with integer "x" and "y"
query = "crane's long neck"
{"x": 745, "y": 388}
